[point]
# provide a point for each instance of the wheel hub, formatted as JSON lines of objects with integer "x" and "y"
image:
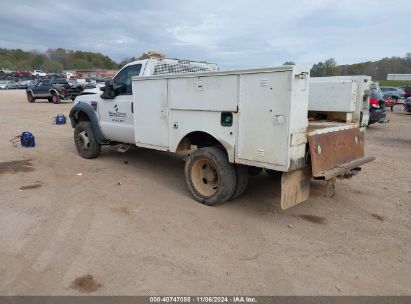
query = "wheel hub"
{"x": 205, "y": 177}
{"x": 84, "y": 140}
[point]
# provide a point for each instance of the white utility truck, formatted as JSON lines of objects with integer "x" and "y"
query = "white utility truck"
{"x": 228, "y": 122}
{"x": 344, "y": 98}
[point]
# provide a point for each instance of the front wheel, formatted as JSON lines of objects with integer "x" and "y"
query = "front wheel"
{"x": 85, "y": 141}
{"x": 210, "y": 177}
{"x": 30, "y": 97}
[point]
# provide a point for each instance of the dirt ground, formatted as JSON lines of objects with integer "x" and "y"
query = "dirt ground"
{"x": 125, "y": 224}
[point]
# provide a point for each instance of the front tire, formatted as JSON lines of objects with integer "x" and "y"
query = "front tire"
{"x": 85, "y": 140}
{"x": 210, "y": 177}
{"x": 30, "y": 97}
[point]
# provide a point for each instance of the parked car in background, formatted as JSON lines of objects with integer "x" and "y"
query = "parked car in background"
{"x": 39, "y": 73}
{"x": 407, "y": 92}
{"x": 53, "y": 90}
{"x": 393, "y": 92}
{"x": 25, "y": 83}
{"x": 378, "y": 113}
{"x": 4, "y": 84}
{"x": 5, "y": 72}
{"x": 407, "y": 104}
{"x": 13, "y": 85}
{"x": 22, "y": 73}
{"x": 55, "y": 75}
{"x": 390, "y": 102}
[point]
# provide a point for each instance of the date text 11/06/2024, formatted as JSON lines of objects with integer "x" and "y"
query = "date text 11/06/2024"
{"x": 203, "y": 299}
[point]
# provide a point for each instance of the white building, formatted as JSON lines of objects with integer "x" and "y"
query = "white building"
{"x": 398, "y": 76}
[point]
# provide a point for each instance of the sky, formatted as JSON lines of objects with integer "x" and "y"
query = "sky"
{"x": 233, "y": 34}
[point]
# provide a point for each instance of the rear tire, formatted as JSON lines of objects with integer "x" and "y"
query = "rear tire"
{"x": 210, "y": 177}
{"x": 30, "y": 97}
{"x": 85, "y": 140}
{"x": 241, "y": 174}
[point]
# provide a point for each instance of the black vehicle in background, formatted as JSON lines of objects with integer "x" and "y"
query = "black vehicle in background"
{"x": 378, "y": 112}
{"x": 393, "y": 92}
{"x": 407, "y": 92}
{"x": 53, "y": 90}
{"x": 407, "y": 104}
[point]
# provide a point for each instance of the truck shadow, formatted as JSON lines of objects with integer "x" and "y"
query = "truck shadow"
{"x": 165, "y": 169}
{"x": 262, "y": 196}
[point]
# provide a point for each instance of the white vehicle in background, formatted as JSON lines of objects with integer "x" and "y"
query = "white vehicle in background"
{"x": 227, "y": 121}
{"x": 344, "y": 98}
{"x": 4, "y": 84}
{"x": 6, "y": 72}
{"x": 39, "y": 73}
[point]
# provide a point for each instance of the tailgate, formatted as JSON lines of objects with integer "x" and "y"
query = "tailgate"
{"x": 335, "y": 151}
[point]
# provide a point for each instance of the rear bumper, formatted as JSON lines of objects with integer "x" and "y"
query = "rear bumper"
{"x": 334, "y": 153}
{"x": 331, "y": 150}
{"x": 340, "y": 170}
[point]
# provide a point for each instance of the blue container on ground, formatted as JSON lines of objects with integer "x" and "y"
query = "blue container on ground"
{"x": 27, "y": 139}
{"x": 60, "y": 119}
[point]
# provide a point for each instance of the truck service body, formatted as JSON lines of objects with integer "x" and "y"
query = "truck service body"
{"x": 227, "y": 120}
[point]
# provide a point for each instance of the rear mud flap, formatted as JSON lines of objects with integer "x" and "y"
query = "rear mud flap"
{"x": 295, "y": 187}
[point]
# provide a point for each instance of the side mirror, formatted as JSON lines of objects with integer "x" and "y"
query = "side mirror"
{"x": 108, "y": 90}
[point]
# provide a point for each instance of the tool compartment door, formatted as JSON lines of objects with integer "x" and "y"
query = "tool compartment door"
{"x": 264, "y": 103}
{"x": 151, "y": 113}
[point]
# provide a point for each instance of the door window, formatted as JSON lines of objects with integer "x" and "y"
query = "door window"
{"x": 122, "y": 81}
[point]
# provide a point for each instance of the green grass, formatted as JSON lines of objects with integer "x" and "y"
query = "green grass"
{"x": 395, "y": 83}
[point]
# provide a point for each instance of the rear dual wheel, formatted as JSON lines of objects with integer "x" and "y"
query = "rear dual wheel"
{"x": 212, "y": 179}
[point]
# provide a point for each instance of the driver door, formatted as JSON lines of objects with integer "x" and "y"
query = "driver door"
{"x": 41, "y": 89}
{"x": 117, "y": 114}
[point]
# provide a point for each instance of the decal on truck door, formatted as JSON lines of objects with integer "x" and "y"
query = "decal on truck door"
{"x": 117, "y": 116}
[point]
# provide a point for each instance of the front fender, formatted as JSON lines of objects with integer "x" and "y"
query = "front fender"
{"x": 91, "y": 114}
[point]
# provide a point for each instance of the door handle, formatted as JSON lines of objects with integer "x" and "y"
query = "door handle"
{"x": 132, "y": 107}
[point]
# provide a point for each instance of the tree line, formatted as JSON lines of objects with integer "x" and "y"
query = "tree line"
{"x": 54, "y": 60}
{"x": 378, "y": 70}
